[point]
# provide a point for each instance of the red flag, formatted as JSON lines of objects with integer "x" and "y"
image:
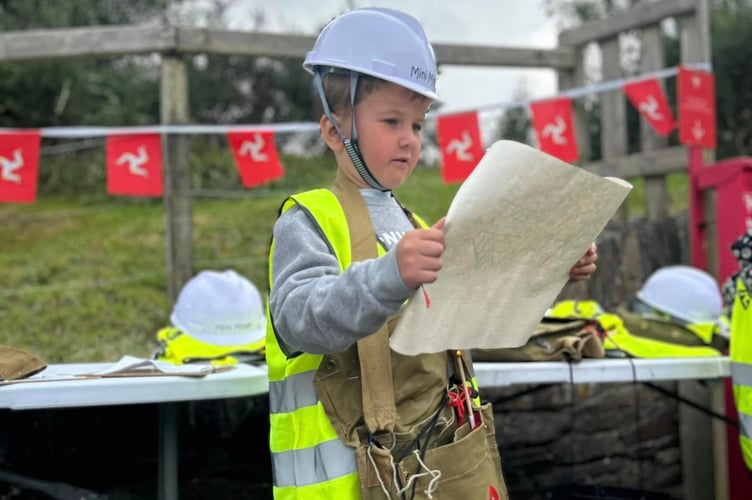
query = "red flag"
{"x": 648, "y": 98}
{"x": 134, "y": 165}
{"x": 256, "y": 157}
{"x": 696, "y": 108}
{"x": 460, "y": 143}
{"x": 19, "y": 166}
{"x": 554, "y": 127}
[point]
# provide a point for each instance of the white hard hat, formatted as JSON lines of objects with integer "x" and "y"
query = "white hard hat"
{"x": 221, "y": 308}
{"x": 685, "y": 292}
{"x": 384, "y": 43}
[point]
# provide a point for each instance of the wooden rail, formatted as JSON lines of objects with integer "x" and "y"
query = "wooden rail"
{"x": 129, "y": 40}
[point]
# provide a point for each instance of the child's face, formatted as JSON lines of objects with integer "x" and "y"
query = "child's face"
{"x": 390, "y": 121}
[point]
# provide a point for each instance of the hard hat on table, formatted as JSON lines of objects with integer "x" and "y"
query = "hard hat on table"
{"x": 684, "y": 292}
{"x": 220, "y": 308}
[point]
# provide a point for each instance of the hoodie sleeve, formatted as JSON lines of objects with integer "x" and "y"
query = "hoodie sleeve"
{"x": 318, "y": 309}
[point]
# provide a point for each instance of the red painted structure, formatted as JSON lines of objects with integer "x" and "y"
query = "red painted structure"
{"x": 731, "y": 181}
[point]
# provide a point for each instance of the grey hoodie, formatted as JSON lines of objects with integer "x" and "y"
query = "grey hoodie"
{"x": 318, "y": 310}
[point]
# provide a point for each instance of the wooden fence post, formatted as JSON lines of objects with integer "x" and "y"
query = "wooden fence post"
{"x": 613, "y": 112}
{"x": 177, "y": 175}
{"x": 656, "y": 191}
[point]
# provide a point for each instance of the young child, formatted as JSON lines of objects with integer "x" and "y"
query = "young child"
{"x": 349, "y": 417}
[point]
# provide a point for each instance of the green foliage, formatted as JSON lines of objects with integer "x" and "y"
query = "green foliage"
{"x": 38, "y": 94}
{"x": 678, "y": 189}
{"x": 120, "y": 91}
{"x": 515, "y": 125}
{"x": 426, "y": 194}
{"x": 125, "y": 90}
{"x": 40, "y": 14}
{"x": 732, "y": 57}
{"x": 235, "y": 89}
{"x": 570, "y": 12}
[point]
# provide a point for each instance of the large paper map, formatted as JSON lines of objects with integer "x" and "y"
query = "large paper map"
{"x": 514, "y": 230}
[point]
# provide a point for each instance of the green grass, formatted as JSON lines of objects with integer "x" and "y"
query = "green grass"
{"x": 83, "y": 277}
{"x": 678, "y": 192}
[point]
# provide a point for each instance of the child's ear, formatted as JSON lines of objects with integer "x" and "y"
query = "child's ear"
{"x": 330, "y": 135}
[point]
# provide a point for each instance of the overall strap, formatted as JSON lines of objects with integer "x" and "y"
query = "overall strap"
{"x": 379, "y": 409}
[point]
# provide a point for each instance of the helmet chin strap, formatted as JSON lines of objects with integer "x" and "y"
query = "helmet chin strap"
{"x": 351, "y": 143}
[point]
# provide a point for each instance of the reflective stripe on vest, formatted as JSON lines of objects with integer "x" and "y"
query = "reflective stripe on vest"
{"x": 745, "y": 424}
{"x": 311, "y": 465}
{"x": 308, "y": 459}
{"x": 741, "y": 373}
{"x": 740, "y": 351}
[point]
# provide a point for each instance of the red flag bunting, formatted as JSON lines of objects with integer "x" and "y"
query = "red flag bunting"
{"x": 19, "y": 166}
{"x": 648, "y": 98}
{"x": 256, "y": 157}
{"x": 460, "y": 144}
{"x": 696, "y": 108}
{"x": 554, "y": 127}
{"x": 134, "y": 165}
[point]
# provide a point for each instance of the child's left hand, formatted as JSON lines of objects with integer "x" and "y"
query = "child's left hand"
{"x": 584, "y": 267}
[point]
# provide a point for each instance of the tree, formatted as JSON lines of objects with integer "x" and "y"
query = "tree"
{"x": 515, "y": 122}
{"x": 125, "y": 90}
{"x": 65, "y": 92}
{"x": 732, "y": 56}
{"x": 574, "y": 12}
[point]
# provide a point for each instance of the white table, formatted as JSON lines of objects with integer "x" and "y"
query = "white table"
{"x": 604, "y": 370}
{"x": 165, "y": 391}
{"x": 246, "y": 380}
{"x": 607, "y": 370}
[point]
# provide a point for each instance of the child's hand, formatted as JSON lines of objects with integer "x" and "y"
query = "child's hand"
{"x": 584, "y": 267}
{"x": 419, "y": 254}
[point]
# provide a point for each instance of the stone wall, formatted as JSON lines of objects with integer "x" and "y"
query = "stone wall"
{"x": 623, "y": 436}
{"x": 559, "y": 437}
{"x": 628, "y": 254}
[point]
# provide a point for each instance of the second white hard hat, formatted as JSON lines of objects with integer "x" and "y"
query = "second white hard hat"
{"x": 687, "y": 293}
{"x": 221, "y": 308}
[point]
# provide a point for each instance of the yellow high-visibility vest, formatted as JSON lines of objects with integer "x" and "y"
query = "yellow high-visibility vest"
{"x": 308, "y": 458}
{"x": 741, "y": 366}
{"x": 179, "y": 348}
{"x": 619, "y": 338}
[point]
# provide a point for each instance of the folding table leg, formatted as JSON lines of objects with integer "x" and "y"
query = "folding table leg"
{"x": 168, "y": 452}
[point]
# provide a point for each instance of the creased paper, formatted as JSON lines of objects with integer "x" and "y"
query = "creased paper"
{"x": 514, "y": 230}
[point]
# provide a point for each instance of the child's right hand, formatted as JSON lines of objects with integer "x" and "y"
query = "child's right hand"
{"x": 419, "y": 254}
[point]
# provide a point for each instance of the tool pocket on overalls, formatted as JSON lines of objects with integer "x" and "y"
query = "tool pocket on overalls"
{"x": 376, "y": 456}
{"x": 337, "y": 385}
{"x": 375, "y": 469}
{"x": 469, "y": 467}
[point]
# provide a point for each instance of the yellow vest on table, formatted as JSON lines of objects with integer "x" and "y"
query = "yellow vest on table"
{"x": 619, "y": 338}
{"x": 179, "y": 348}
